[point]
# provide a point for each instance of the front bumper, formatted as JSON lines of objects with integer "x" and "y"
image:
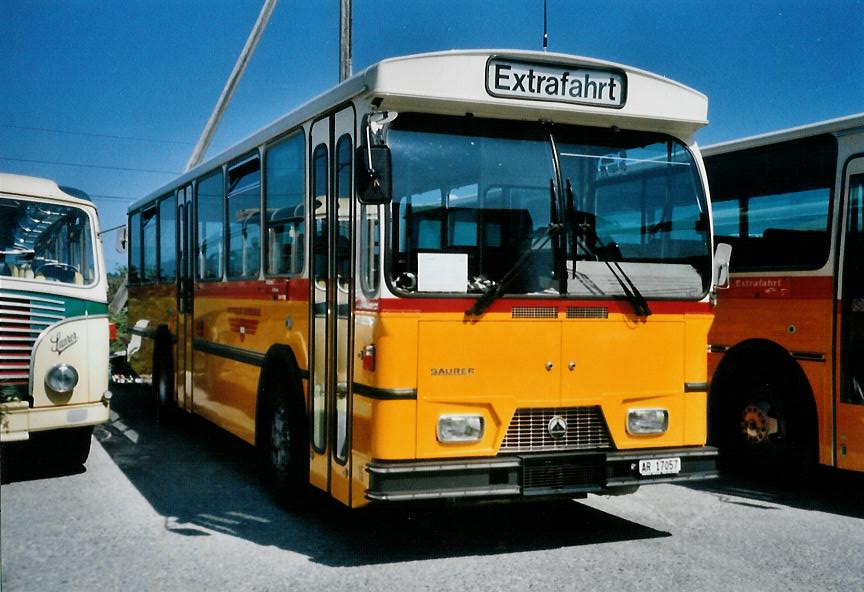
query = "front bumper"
{"x": 18, "y": 419}
{"x": 570, "y": 473}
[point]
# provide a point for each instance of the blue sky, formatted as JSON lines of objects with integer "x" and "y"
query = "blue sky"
{"x": 110, "y": 97}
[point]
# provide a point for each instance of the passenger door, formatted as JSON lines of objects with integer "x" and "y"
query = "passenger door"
{"x": 184, "y": 298}
{"x": 331, "y": 278}
{"x": 849, "y": 444}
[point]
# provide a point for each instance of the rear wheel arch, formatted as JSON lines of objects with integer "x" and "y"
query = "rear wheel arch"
{"x": 762, "y": 376}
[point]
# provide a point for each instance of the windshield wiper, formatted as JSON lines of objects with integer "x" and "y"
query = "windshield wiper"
{"x": 606, "y": 253}
{"x": 495, "y": 289}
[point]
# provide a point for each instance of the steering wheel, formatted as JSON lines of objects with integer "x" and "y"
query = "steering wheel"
{"x": 57, "y": 271}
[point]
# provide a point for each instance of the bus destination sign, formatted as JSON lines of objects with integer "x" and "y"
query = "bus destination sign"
{"x": 545, "y": 81}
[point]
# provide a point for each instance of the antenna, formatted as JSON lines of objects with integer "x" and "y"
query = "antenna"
{"x": 545, "y": 34}
{"x": 344, "y": 40}
{"x": 231, "y": 84}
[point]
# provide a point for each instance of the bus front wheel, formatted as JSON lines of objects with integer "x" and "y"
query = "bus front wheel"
{"x": 763, "y": 430}
{"x": 287, "y": 455}
{"x": 67, "y": 447}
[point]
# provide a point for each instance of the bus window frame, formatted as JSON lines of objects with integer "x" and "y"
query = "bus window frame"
{"x": 743, "y": 201}
{"x": 134, "y": 247}
{"x": 196, "y": 276}
{"x": 265, "y": 228}
{"x": 239, "y": 163}
{"x": 159, "y": 201}
{"x": 143, "y": 278}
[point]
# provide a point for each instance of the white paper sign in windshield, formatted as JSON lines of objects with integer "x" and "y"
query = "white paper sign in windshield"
{"x": 556, "y": 82}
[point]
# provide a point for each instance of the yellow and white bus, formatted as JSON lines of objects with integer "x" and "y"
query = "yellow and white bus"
{"x": 53, "y": 318}
{"x": 460, "y": 274}
{"x": 786, "y": 387}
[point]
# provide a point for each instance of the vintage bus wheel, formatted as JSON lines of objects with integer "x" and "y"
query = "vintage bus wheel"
{"x": 69, "y": 447}
{"x": 286, "y": 456}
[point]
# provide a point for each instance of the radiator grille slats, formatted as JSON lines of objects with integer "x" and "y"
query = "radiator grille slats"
{"x": 22, "y": 320}
{"x": 528, "y": 430}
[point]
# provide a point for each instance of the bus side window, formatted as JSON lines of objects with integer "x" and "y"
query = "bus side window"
{"x": 284, "y": 205}
{"x": 168, "y": 239}
{"x": 149, "y": 238}
{"x": 244, "y": 219}
{"x": 209, "y": 201}
{"x": 134, "y": 248}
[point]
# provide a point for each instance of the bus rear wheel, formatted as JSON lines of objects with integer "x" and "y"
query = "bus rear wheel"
{"x": 163, "y": 383}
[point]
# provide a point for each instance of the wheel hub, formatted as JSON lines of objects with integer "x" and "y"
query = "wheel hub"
{"x": 757, "y": 425}
{"x": 754, "y": 424}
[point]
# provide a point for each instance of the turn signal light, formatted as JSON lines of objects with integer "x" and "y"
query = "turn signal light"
{"x": 367, "y": 356}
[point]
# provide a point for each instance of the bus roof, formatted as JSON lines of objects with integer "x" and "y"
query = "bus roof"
{"x": 38, "y": 187}
{"x": 458, "y": 82}
{"x": 837, "y": 126}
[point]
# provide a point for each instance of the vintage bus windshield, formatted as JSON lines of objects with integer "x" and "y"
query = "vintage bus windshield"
{"x": 471, "y": 196}
{"x": 46, "y": 242}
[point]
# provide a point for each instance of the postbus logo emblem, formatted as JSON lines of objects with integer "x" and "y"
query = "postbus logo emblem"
{"x": 557, "y": 427}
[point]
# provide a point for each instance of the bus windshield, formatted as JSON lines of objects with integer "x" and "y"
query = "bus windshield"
{"x": 471, "y": 197}
{"x": 42, "y": 241}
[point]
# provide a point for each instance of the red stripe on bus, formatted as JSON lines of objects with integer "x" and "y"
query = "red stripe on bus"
{"x": 507, "y": 304}
{"x": 806, "y": 287}
{"x": 290, "y": 289}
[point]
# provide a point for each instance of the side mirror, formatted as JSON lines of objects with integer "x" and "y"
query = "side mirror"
{"x": 373, "y": 175}
{"x": 122, "y": 239}
{"x": 722, "y": 255}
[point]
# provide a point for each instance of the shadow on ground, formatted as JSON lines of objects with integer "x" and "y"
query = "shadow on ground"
{"x": 26, "y": 461}
{"x": 823, "y": 490}
{"x": 202, "y": 480}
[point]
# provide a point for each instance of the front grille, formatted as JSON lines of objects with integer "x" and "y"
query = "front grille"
{"x": 546, "y": 475}
{"x": 528, "y": 430}
{"x": 22, "y": 319}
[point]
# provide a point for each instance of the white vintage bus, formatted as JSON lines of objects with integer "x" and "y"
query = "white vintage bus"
{"x": 53, "y": 317}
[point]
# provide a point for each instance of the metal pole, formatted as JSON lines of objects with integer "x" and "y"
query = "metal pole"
{"x": 344, "y": 40}
{"x": 231, "y": 84}
{"x": 545, "y": 34}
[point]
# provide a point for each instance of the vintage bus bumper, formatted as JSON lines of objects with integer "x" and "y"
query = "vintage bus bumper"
{"x": 18, "y": 419}
{"x": 527, "y": 475}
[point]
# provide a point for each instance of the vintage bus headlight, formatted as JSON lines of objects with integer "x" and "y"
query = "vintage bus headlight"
{"x": 61, "y": 378}
{"x": 647, "y": 421}
{"x": 460, "y": 428}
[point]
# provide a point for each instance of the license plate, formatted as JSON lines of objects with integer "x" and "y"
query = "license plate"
{"x": 659, "y": 466}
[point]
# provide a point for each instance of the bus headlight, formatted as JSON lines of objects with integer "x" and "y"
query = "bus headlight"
{"x": 460, "y": 428}
{"x": 61, "y": 378}
{"x": 647, "y": 421}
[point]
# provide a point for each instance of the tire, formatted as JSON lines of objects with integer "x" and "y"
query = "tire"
{"x": 286, "y": 454}
{"x": 163, "y": 383}
{"x": 68, "y": 447}
{"x": 763, "y": 428}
